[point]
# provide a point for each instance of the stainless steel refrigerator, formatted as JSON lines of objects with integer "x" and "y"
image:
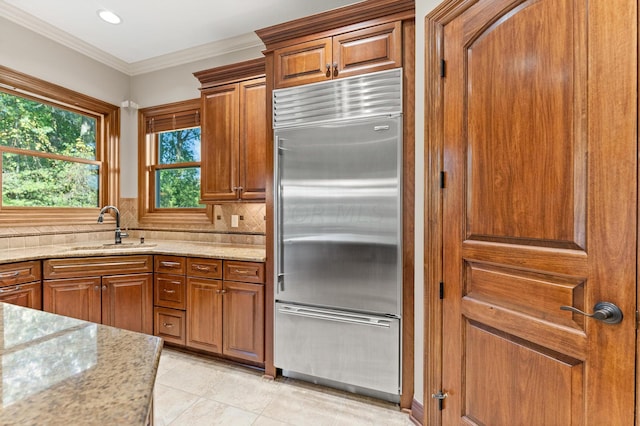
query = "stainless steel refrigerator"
{"x": 338, "y": 296}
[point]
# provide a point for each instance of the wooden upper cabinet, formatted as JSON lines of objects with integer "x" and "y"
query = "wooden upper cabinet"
{"x": 303, "y": 63}
{"x": 351, "y": 53}
{"x": 252, "y": 164}
{"x": 220, "y": 143}
{"x": 234, "y": 132}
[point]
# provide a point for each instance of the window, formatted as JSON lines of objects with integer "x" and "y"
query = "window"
{"x": 169, "y": 152}
{"x": 56, "y": 147}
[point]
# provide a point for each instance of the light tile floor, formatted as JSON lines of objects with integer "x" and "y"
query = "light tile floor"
{"x": 194, "y": 390}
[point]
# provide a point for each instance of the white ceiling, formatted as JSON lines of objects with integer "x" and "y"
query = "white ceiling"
{"x": 156, "y": 34}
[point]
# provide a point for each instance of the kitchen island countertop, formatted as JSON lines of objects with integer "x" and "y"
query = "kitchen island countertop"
{"x": 251, "y": 253}
{"x": 62, "y": 371}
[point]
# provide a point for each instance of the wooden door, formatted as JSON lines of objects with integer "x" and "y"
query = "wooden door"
{"x": 204, "y": 314}
{"x": 219, "y": 157}
{"x": 253, "y": 139}
{"x": 243, "y": 320}
{"x": 539, "y": 211}
{"x": 74, "y": 297}
{"x": 127, "y": 302}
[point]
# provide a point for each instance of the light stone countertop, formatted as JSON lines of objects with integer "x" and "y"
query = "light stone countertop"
{"x": 107, "y": 248}
{"x": 63, "y": 371}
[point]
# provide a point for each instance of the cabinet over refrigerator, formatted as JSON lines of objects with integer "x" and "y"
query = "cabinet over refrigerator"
{"x": 338, "y": 298}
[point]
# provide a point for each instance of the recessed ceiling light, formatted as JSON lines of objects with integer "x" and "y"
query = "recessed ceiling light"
{"x": 109, "y": 16}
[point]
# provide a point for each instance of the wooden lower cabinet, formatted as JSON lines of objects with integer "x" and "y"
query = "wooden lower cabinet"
{"x": 204, "y": 314}
{"x": 243, "y": 320}
{"x": 28, "y": 295}
{"x": 170, "y": 324}
{"x": 20, "y": 284}
{"x": 127, "y": 302}
{"x": 226, "y": 317}
{"x": 124, "y": 300}
{"x": 79, "y": 298}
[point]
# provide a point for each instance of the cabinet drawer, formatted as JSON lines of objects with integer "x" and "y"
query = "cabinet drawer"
{"x": 18, "y": 273}
{"x": 251, "y": 272}
{"x": 206, "y": 268}
{"x": 170, "y": 325}
{"x": 170, "y": 291}
{"x": 96, "y": 266}
{"x": 170, "y": 264}
{"x": 28, "y": 295}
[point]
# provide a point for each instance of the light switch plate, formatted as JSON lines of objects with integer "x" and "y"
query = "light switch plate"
{"x": 234, "y": 220}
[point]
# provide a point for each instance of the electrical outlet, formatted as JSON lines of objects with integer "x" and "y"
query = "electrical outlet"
{"x": 234, "y": 220}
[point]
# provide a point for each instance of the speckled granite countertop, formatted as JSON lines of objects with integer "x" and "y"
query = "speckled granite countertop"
{"x": 107, "y": 248}
{"x": 62, "y": 371}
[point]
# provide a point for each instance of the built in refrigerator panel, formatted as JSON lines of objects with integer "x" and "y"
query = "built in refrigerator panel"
{"x": 339, "y": 212}
{"x": 356, "y": 350}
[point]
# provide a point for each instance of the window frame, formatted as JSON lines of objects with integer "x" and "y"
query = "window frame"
{"x": 148, "y": 165}
{"x": 107, "y": 149}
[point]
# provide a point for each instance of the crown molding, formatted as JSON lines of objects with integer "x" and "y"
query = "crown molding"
{"x": 205, "y": 51}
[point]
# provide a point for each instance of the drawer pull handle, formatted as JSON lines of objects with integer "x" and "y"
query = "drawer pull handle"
{"x": 244, "y": 272}
{"x": 172, "y": 265}
{"x": 166, "y": 290}
{"x": 13, "y": 274}
{"x": 167, "y": 324}
{"x": 9, "y": 290}
{"x": 202, "y": 268}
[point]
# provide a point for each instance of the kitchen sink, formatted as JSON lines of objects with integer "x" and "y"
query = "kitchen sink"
{"x": 113, "y": 246}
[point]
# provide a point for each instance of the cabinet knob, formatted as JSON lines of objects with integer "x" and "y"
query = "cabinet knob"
{"x": 95, "y": 288}
{"x": 168, "y": 325}
{"x": 335, "y": 69}
{"x": 328, "y": 73}
{"x": 104, "y": 287}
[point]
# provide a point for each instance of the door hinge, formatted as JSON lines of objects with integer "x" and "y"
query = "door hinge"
{"x": 443, "y": 68}
{"x": 440, "y": 396}
{"x": 441, "y": 290}
{"x": 442, "y": 179}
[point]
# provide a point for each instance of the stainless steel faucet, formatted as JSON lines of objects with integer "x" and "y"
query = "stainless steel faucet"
{"x": 119, "y": 234}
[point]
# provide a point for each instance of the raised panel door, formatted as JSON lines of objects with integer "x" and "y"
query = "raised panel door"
{"x": 539, "y": 212}
{"x": 243, "y": 320}
{"x": 204, "y": 314}
{"x": 219, "y": 156}
{"x": 127, "y": 302}
{"x": 303, "y": 63}
{"x": 74, "y": 297}
{"x": 253, "y": 139}
{"x": 371, "y": 49}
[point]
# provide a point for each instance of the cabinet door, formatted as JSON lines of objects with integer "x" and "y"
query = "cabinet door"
{"x": 219, "y": 159}
{"x": 243, "y": 320}
{"x": 303, "y": 63}
{"x": 204, "y": 314}
{"x": 371, "y": 49}
{"x": 253, "y": 139}
{"x": 127, "y": 302}
{"x": 74, "y": 297}
{"x": 28, "y": 295}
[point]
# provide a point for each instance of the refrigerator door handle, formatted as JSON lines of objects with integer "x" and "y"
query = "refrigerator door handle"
{"x": 334, "y": 316}
{"x": 278, "y": 218}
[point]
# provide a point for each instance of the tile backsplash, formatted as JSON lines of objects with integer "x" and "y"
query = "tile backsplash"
{"x": 250, "y": 230}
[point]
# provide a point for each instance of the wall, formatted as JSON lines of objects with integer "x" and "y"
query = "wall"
{"x": 33, "y": 54}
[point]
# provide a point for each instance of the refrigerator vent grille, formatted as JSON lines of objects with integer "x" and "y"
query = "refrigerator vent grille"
{"x": 360, "y": 96}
